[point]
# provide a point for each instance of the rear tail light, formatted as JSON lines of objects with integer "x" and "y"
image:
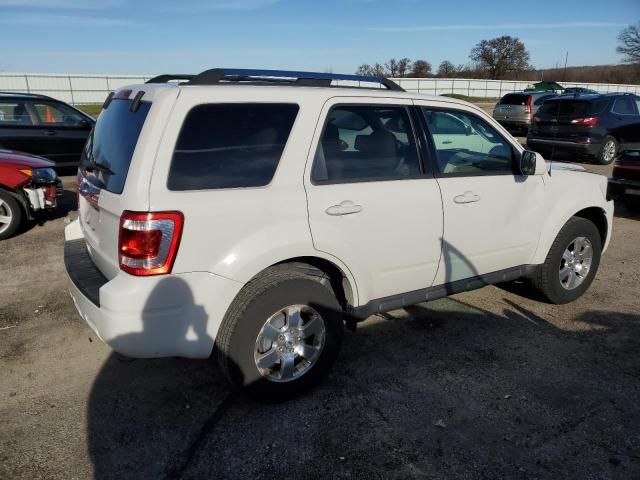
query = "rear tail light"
{"x": 587, "y": 122}
{"x": 527, "y": 107}
{"x": 149, "y": 241}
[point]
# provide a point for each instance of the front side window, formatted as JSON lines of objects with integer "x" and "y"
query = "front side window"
{"x": 14, "y": 114}
{"x": 58, "y": 115}
{"x": 366, "y": 142}
{"x": 467, "y": 145}
{"x": 230, "y": 145}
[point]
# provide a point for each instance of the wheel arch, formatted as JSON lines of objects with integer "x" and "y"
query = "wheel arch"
{"x": 596, "y": 214}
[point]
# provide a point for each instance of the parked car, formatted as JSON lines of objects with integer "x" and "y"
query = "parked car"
{"x": 515, "y": 110}
{"x": 252, "y": 214}
{"x": 578, "y": 90}
{"x": 43, "y": 126}
{"x": 28, "y": 187}
{"x": 593, "y": 126}
{"x": 626, "y": 173}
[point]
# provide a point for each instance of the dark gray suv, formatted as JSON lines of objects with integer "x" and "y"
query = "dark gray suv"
{"x": 514, "y": 111}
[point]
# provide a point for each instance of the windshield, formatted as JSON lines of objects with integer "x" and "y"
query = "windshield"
{"x": 571, "y": 108}
{"x": 109, "y": 149}
{"x": 514, "y": 99}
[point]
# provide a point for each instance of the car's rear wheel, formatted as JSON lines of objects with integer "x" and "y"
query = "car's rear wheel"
{"x": 572, "y": 262}
{"x": 281, "y": 334}
{"x": 10, "y": 215}
{"x": 608, "y": 150}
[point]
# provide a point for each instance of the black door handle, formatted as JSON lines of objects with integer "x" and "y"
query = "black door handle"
{"x": 50, "y": 133}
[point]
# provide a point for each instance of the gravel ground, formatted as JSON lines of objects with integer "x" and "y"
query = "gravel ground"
{"x": 486, "y": 384}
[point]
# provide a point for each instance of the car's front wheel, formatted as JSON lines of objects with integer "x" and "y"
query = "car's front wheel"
{"x": 10, "y": 215}
{"x": 572, "y": 262}
{"x": 281, "y": 334}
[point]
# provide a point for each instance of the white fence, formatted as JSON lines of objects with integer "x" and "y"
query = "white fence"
{"x": 83, "y": 89}
{"x": 493, "y": 88}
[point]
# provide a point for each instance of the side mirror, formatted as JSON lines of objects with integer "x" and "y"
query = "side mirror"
{"x": 532, "y": 163}
{"x": 85, "y": 123}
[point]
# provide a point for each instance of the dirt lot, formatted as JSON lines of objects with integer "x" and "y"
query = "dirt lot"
{"x": 487, "y": 384}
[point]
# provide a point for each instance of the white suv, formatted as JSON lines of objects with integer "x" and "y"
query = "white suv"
{"x": 252, "y": 214}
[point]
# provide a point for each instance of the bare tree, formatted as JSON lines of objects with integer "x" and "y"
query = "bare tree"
{"x": 404, "y": 64}
{"x": 447, "y": 69}
{"x": 501, "y": 56}
{"x": 629, "y": 46}
{"x": 392, "y": 67}
{"x": 365, "y": 69}
{"x": 421, "y": 69}
{"x": 379, "y": 71}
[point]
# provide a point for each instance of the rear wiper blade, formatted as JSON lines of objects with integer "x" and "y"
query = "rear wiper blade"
{"x": 99, "y": 166}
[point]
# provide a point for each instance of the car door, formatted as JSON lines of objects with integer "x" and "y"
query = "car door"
{"x": 370, "y": 202}
{"x": 64, "y": 129}
{"x": 492, "y": 214}
{"x": 626, "y": 122}
{"x": 18, "y": 130}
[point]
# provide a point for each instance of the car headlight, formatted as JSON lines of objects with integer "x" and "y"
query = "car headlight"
{"x": 44, "y": 175}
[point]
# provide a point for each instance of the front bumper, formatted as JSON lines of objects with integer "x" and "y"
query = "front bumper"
{"x": 547, "y": 145}
{"x": 159, "y": 316}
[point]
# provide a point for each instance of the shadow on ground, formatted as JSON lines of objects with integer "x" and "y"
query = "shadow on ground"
{"x": 439, "y": 390}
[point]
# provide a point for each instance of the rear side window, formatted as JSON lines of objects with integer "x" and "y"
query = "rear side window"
{"x": 571, "y": 108}
{"x": 230, "y": 145}
{"x": 109, "y": 149}
{"x": 514, "y": 99}
{"x": 14, "y": 113}
{"x": 624, "y": 106}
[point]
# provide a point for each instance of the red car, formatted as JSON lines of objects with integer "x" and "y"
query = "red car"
{"x": 28, "y": 186}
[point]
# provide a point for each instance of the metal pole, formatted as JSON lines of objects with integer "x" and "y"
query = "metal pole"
{"x": 73, "y": 101}
{"x": 26, "y": 79}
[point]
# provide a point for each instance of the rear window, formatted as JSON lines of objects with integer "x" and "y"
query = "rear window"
{"x": 111, "y": 144}
{"x": 571, "y": 108}
{"x": 514, "y": 99}
{"x": 230, "y": 145}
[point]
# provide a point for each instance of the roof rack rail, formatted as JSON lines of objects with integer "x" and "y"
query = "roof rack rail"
{"x": 167, "y": 77}
{"x": 285, "y": 77}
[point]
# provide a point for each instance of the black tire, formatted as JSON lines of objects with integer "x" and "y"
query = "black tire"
{"x": 9, "y": 206}
{"x": 546, "y": 278}
{"x": 263, "y": 296}
{"x": 603, "y": 157}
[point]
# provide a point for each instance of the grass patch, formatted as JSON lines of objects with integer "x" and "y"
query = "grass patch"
{"x": 470, "y": 99}
{"x": 92, "y": 109}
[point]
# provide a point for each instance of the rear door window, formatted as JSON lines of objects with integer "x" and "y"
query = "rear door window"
{"x": 230, "y": 145}
{"x": 14, "y": 114}
{"x": 110, "y": 146}
{"x": 514, "y": 99}
{"x": 57, "y": 115}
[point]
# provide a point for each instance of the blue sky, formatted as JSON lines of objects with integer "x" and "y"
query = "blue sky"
{"x": 118, "y": 36}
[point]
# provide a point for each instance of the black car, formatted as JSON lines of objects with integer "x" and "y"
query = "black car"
{"x": 43, "y": 126}
{"x": 596, "y": 126}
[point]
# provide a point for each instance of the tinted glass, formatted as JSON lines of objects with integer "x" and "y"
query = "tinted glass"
{"x": 514, "y": 99}
{"x": 57, "y": 115}
{"x": 14, "y": 114}
{"x": 624, "y": 106}
{"x": 571, "y": 108}
{"x": 112, "y": 142}
{"x": 540, "y": 100}
{"x": 366, "y": 143}
{"x": 475, "y": 149}
{"x": 230, "y": 145}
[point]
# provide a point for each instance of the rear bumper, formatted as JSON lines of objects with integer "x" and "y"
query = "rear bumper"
{"x": 159, "y": 316}
{"x": 546, "y": 145}
{"x": 619, "y": 185}
{"x": 514, "y": 123}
